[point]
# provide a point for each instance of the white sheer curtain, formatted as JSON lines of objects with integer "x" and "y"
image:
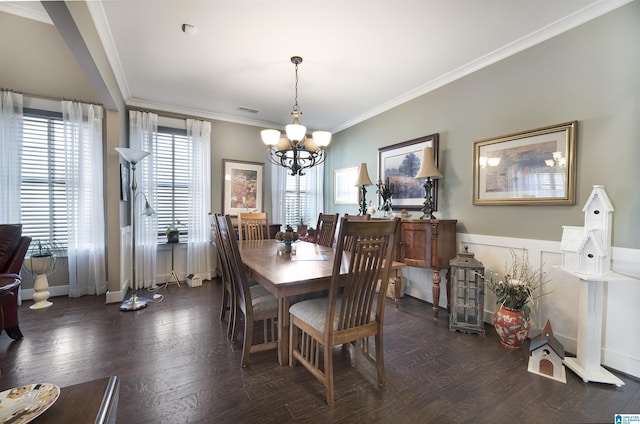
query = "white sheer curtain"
{"x": 199, "y": 257}
{"x": 10, "y": 156}
{"x": 278, "y": 194}
{"x": 85, "y": 199}
{"x": 143, "y": 133}
{"x": 316, "y": 193}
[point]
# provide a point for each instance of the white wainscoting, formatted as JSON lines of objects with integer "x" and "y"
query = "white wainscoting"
{"x": 559, "y": 300}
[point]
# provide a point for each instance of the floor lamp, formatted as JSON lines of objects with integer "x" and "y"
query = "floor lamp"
{"x": 428, "y": 170}
{"x": 132, "y": 156}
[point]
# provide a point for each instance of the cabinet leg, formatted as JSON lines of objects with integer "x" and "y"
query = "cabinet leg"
{"x": 436, "y": 292}
{"x": 397, "y": 286}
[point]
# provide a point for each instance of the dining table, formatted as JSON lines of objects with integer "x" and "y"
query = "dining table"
{"x": 286, "y": 275}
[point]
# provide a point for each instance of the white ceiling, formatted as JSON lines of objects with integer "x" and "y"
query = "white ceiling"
{"x": 361, "y": 57}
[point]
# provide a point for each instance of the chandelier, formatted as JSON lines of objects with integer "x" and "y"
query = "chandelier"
{"x": 296, "y": 151}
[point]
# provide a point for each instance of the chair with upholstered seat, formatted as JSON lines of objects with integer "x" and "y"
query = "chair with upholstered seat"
{"x": 352, "y": 315}
{"x": 228, "y": 296}
{"x": 13, "y": 248}
{"x": 253, "y": 226}
{"x": 255, "y": 302}
{"x": 326, "y": 229}
{"x": 366, "y": 217}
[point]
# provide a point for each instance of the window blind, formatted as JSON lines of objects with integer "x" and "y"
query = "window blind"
{"x": 172, "y": 172}
{"x": 43, "y": 197}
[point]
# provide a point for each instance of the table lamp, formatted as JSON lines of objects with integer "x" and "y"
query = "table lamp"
{"x": 428, "y": 171}
{"x": 362, "y": 181}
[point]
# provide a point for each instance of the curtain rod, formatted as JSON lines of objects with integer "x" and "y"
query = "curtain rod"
{"x": 55, "y": 99}
{"x": 166, "y": 114}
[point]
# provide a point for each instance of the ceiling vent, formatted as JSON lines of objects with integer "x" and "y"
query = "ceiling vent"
{"x": 247, "y": 109}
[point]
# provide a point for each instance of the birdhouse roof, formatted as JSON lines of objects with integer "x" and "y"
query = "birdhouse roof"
{"x": 572, "y": 238}
{"x": 546, "y": 338}
{"x": 598, "y": 195}
{"x": 596, "y": 237}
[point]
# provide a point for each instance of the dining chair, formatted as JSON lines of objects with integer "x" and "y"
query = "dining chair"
{"x": 13, "y": 249}
{"x": 355, "y": 314}
{"x": 326, "y": 229}
{"x": 253, "y": 226}
{"x": 253, "y": 301}
{"x": 228, "y": 294}
{"x": 349, "y": 242}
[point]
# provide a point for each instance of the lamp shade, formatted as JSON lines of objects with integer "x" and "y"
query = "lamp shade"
{"x": 428, "y": 167}
{"x": 296, "y": 132}
{"x": 310, "y": 144}
{"x": 363, "y": 176}
{"x": 283, "y": 144}
{"x": 321, "y": 138}
{"x": 148, "y": 210}
{"x": 131, "y": 155}
{"x": 270, "y": 137}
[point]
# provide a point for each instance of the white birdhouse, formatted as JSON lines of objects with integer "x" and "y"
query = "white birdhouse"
{"x": 587, "y": 249}
{"x": 547, "y": 354}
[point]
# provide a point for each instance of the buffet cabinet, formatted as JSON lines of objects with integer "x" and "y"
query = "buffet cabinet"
{"x": 428, "y": 243}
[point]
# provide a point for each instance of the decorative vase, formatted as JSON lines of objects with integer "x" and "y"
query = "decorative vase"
{"x": 387, "y": 208}
{"x": 287, "y": 247}
{"x": 40, "y": 266}
{"x": 511, "y": 326}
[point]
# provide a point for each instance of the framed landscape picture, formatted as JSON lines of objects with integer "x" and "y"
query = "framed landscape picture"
{"x": 535, "y": 167}
{"x": 243, "y": 187}
{"x": 400, "y": 163}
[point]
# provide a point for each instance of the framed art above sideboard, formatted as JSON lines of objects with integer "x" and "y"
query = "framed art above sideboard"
{"x": 400, "y": 163}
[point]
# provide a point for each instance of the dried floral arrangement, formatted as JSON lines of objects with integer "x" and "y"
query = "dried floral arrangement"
{"x": 516, "y": 287}
{"x": 287, "y": 236}
{"x": 385, "y": 190}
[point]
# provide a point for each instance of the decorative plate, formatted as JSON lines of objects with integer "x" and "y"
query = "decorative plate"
{"x": 22, "y": 404}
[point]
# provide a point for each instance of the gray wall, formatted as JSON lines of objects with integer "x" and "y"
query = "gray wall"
{"x": 590, "y": 74}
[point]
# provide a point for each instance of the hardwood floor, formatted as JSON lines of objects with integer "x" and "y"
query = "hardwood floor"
{"x": 176, "y": 366}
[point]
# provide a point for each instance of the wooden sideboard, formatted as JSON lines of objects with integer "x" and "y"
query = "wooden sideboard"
{"x": 429, "y": 243}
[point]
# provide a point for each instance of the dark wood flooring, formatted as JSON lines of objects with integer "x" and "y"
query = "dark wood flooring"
{"x": 177, "y": 366}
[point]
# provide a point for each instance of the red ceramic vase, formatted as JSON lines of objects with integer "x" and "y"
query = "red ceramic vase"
{"x": 511, "y": 326}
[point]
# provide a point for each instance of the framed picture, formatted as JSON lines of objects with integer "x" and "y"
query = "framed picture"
{"x": 345, "y": 192}
{"x": 400, "y": 163}
{"x": 530, "y": 168}
{"x": 243, "y": 186}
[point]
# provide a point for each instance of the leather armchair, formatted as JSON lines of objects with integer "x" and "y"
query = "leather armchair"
{"x": 13, "y": 248}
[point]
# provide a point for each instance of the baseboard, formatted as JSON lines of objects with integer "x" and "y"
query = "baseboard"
{"x": 114, "y": 297}
{"x": 27, "y": 294}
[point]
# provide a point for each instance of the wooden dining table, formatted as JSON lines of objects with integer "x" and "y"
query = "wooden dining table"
{"x": 285, "y": 275}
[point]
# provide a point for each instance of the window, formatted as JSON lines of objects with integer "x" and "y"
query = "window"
{"x": 43, "y": 197}
{"x": 297, "y": 199}
{"x": 172, "y": 179}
